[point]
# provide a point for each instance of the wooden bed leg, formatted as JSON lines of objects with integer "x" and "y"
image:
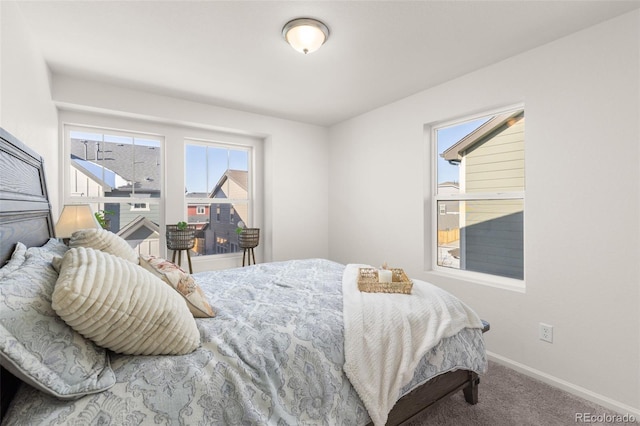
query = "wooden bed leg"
{"x": 189, "y": 259}
{"x": 471, "y": 391}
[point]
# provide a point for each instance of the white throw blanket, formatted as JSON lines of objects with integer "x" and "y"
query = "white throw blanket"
{"x": 386, "y": 335}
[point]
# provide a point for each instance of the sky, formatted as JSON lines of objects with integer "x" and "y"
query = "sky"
{"x": 201, "y": 158}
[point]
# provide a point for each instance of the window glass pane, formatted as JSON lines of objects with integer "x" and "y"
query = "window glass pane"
{"x": 479, "y": 205}
{"x": 238, "y": 160}
{"x": 217, "y": 195}
{"x": 196, "y": 171}
{"x": 448, "y": 168}
{"x": 482, "y": 236}
{"x": 146, "y": 166}
{"x": 103, "y": 165}
{"x": 217, "y": 172}
{"x": 218, "y": 165}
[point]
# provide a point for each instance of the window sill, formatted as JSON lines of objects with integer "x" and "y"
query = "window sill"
{"x": 215, "y": 262}
{"x": 493, "y": 281}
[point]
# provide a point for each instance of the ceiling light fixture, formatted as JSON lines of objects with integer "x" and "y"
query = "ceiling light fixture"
{"x": 306, "y": 35}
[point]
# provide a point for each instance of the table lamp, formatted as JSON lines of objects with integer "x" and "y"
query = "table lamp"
{"x": 73, "y": 218}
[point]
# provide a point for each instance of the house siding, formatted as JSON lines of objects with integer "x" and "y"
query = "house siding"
{"x": 80, "y": 183}
{"x": 126, "y": 215}
{"x": 498, "y": 164}
{"x": 492, "y": 238}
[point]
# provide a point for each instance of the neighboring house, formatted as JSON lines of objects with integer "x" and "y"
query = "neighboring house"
{"x": 107, "y": 169}
{"x": 492, "y": 161}
{"x": 198, "y": 214}
{"x": 143, "y": 235}
{"x": 216, "y": 228}
{"x": 448, "y": 211}
{"x": 448, "y": 222}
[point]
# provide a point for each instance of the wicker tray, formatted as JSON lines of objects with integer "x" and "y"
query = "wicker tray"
{"x": 368, "y": 281}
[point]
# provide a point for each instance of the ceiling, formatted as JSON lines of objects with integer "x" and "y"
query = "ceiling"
{"x": 231, "y": 53}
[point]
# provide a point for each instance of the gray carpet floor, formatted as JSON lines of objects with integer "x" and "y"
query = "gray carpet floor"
{"x": 508, "y": 398}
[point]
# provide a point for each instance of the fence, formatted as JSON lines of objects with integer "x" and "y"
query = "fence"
{"x": 448, "y": 236}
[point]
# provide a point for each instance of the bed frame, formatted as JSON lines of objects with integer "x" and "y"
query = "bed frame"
{"x": 25, "y": 216}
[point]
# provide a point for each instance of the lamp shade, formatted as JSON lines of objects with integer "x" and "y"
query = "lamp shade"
{"x": 306, "y": 35}
{"x": 73, "y": 218}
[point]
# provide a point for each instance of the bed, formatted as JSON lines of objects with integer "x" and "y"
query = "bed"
{"x": 272, "y": 354}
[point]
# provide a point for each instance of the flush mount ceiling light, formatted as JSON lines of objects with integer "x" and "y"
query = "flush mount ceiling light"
{"x": 306, "y": 35}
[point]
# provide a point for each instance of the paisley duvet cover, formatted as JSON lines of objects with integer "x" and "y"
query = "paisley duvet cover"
{"x": 273, "y": 355}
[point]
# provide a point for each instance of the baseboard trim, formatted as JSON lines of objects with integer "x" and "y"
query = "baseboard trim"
{"x": 609, "y": 403}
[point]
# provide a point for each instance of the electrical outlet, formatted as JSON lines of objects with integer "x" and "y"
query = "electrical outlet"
{"x": 546, "y": 332}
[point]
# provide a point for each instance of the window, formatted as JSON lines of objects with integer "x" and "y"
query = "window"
{"x": 218, "y": 176}
{"x": 119, "y": 174}
{"x": 201, "y": 210}
{"x": 479, "y": 195}
{"x": 139, "y": 207}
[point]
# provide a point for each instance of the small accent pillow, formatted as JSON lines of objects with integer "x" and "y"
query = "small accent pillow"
{"x": 35, "y": 344}
{"x": 103, "y": 240}
{"x": 184, "y": 283}
{"x": 121, "y": 306}
{"x": 17, "y": 259}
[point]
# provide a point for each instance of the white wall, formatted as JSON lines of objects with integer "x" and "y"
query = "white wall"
{"x": 26, "y": 110}
{"x": 582, "y": 214}
{"x": 295, "y": 160}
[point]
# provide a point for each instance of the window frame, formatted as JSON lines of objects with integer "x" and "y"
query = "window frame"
{"x": 250, "y": 147}
{"x": 483, "y": 278}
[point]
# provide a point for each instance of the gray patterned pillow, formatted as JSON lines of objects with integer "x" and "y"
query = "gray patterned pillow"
{"x": 35, "y": 344}
{"x": 48, "y": 251}
{"x": 17, "y": 259}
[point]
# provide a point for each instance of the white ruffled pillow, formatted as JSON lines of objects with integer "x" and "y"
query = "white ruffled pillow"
{"x": 103, "y": 240}
{"x": 121, "y": 306}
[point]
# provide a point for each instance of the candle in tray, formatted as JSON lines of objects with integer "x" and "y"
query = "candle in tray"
{"x": 385, "y": 276}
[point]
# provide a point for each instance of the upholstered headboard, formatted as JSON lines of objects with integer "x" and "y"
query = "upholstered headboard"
{"x": 25, "y": 215}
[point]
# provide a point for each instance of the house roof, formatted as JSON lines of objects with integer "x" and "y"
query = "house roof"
{"x": 197, "y": 195}
{"x": 486, "y": 131}
{"x": 240, "y": 177}
{"x": 449, "y": 183}
{"x": 137, "y": 223}
{"x": 143, "y": 174}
